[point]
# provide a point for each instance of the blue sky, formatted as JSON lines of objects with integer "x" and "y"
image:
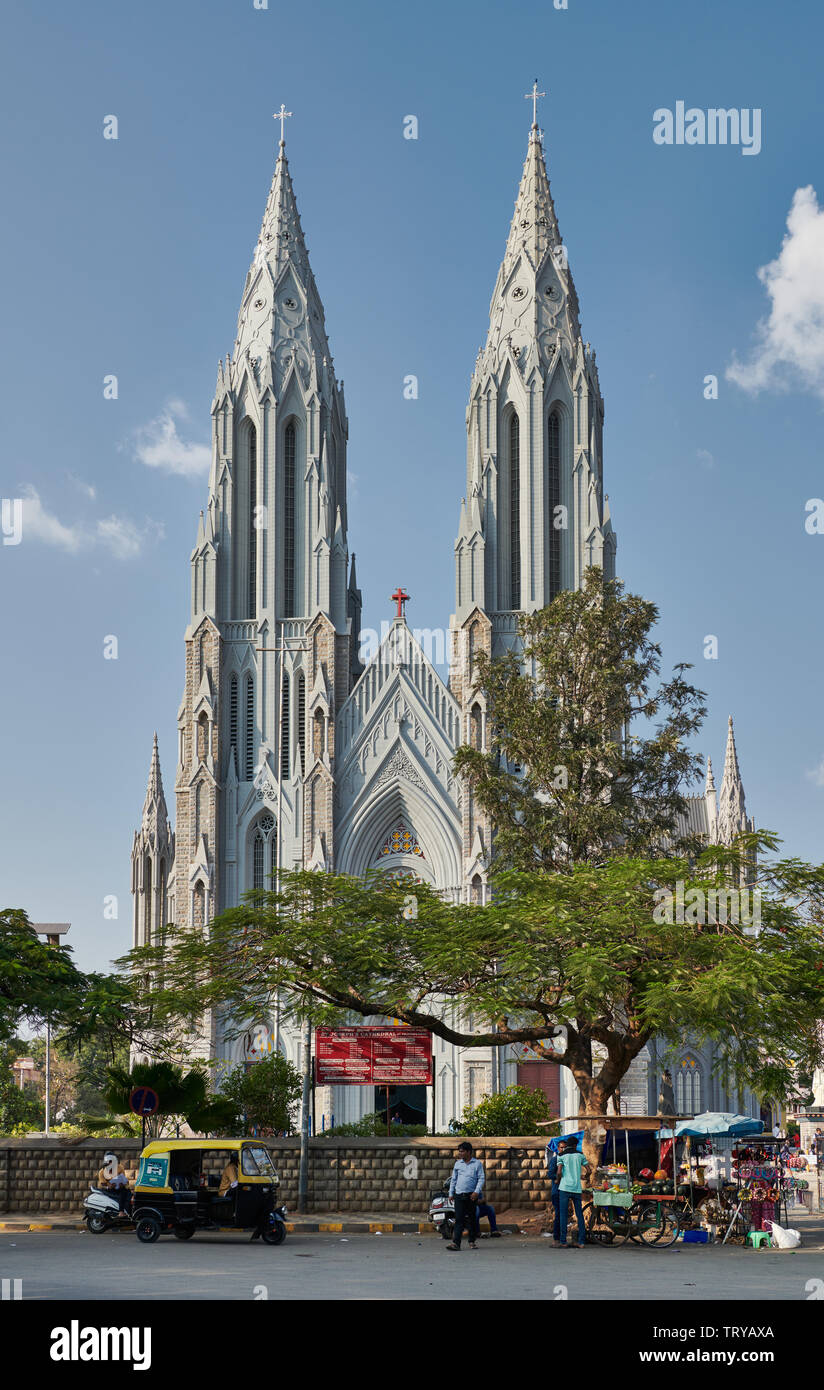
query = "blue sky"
{"x": 129, "y": 257}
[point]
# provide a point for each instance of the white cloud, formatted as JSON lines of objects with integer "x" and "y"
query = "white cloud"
{"x": 789, "y": 345}
{"x": 705, "y": 458}
{"x": 82, "y": 486}
{"x": 120, "y": 536}
{"x": 816, "y": 774}
{"x": 159, "y": 445}
{"x": 123, "y": 538}
{"x": 40, "y": 525}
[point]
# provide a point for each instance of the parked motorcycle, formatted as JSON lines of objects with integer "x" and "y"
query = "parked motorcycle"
{"x": 442, "y": 1211}
{"x": 102, "y": 1212}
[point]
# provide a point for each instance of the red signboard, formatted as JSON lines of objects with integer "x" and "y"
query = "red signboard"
{"x": 373, "y": 1057}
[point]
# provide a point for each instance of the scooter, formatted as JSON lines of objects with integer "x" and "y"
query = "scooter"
{"x": 442, "y": 1211}
{"x": 102, "y": 1212}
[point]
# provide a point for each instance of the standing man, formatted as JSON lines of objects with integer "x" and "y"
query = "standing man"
{"x": 572, "y": 1164}
{"x": 554, "y": 1173}
{"x": 465, "y": 1187}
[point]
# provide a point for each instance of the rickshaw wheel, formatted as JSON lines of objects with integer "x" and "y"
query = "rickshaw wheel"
{"x": 147, "y": 1229}
{"x": 276, "y": 1236}
{"x": 184, "y": 1232}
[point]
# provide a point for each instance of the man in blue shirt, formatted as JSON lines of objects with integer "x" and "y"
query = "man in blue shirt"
{"x": 555, "y": 1177}
{"x": 465, "y": 1188}
{"x": 572, "y": 1163}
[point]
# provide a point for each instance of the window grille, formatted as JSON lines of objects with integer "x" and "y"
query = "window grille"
{"x": 250, "y": 729}
{"x": 289, "y": 451}
{"x": 553, "y": 501}
{"x": 514, "y": 511}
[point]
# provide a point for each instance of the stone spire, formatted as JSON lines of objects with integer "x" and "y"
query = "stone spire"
{"x": 281, "y": 307}
{"x": 732, "y": 811}
{"x": 155, "y": 814}
{"x": 534, "y": 297}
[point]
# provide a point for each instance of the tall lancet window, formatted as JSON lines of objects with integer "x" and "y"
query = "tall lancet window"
{"x": 250, "y": 729}
{"x": 233, "y": 721}
{"x": 514, "y": 511}
{"x": 252, "y": 458}
{"x": 301, "y": 714}
{"x": 553, "y": 500}
{"x": 284, "y": 726}
{"x": 289, "y": 453}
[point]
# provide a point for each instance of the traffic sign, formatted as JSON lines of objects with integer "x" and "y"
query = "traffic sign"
{"x": 143, "y": 1100}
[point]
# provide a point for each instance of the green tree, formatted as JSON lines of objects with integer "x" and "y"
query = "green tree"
{"x": 17, "y": 1107}
{"x": 517, "y": 1110}
{"x": 586, "y": 956}
{"x": 183, "y": 1096}
{"x": 567, "y": 777}
{"x": 262, "y": 1095}
{"x": 37, "y": 980}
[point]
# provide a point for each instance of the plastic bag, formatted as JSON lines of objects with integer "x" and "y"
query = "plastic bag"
{"x": 784, "y": 1237}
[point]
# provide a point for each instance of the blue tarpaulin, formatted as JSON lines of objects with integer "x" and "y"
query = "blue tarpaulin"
{"x": 713, "y": 1122}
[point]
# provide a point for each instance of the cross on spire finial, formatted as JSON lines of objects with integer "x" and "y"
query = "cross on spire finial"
{"x": 281, "y": 116}
{"x": 533, "y": 97}
{"x": 400, "y": 596}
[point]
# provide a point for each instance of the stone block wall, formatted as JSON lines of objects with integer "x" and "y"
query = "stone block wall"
{"x": 345, "y": 1175}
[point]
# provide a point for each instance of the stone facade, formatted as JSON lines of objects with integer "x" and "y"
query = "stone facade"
{"x": 297, "y": 747}
{"x": 346, "y": 1175}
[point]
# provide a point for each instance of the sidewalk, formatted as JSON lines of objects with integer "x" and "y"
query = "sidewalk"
{"x": 338, "y": 1223}
{"x": 526, "y": 1223}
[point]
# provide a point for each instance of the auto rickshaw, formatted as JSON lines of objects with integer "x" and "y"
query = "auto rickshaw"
{"x": 178, "y": 1189}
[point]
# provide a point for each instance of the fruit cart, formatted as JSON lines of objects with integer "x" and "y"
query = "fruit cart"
{"x": 624, "y": 1210}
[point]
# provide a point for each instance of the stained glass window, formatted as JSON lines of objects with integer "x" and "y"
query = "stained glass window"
{"x": 401, "y": 840}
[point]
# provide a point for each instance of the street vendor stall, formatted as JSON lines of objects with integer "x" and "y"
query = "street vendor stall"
{"x": 701, "y": 1132}
{"x": 623, "y": 1208}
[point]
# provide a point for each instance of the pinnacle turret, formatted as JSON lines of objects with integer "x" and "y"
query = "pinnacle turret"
{"x": 732, "y": 810}
{"x": 155, "y": 815}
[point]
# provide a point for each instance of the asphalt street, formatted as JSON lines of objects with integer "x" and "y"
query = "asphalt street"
{"x": 53, "y": 1265}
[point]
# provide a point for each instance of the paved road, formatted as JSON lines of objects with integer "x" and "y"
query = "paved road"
{"x": 387, "y": 1267}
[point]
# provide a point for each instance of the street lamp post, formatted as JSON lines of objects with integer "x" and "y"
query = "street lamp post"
{"x": 52, "y": 932}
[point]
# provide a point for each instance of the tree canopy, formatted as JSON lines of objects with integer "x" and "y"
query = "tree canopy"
{"x": 587, "y": 750}
{"x": 587, "y": 951}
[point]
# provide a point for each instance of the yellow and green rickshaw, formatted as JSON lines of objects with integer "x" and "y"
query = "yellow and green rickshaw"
{"x": 189, "y": 1185}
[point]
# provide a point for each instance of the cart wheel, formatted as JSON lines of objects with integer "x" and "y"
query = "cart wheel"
{"x": 658, "y": 1228}
{"x": 147, "y": 1229}
{"x": 184, "y": 1232}
{"x": 604, "y": 1229}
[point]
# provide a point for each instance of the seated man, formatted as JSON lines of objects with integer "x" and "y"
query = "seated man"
{"x": 222, "y": 1201}
{"x": 228, "y": 1178}
{"x": 486, "y": 1209}
{"x": 112, "y": 1178}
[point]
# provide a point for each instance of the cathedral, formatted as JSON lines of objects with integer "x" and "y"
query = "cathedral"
{"x": 294, "y": 751}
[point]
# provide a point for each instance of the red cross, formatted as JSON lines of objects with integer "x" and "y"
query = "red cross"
{"x": 400, "y": 596}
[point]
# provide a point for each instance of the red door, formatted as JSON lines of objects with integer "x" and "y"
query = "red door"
{"x": 542, "y": 1076}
